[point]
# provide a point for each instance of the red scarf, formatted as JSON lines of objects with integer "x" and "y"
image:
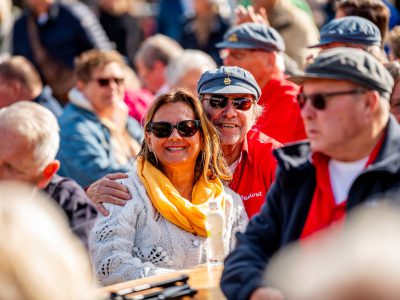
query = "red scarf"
{"x": 323, "y": 210}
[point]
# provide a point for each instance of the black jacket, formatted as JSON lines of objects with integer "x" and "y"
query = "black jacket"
{"x": 283, "y": 216}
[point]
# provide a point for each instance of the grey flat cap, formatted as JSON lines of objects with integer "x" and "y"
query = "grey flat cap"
{"x": 228, "y": 80}
{"x": 252, "y": 36}
{"x": 349, "y": 64}
{"x": 352, "y": 29}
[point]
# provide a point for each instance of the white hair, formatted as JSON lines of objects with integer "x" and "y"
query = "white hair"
{"x": 41, "y": 259}
{"x": 35, "y": 123}
{"x": 187, "y": 61}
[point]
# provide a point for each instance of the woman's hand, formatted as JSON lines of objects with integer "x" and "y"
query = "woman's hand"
{"x": 107, "y": 190}
{"x": 245, "y": 15}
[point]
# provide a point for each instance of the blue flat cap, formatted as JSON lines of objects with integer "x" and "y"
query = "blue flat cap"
{"x": 252, "y": 36}
{"x": 350, "y": 64}
{"x": 354, "y": 30}
{"x": 228, "y": 80}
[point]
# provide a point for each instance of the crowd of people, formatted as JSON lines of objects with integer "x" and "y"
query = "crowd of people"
{"x": 120, "y": 132}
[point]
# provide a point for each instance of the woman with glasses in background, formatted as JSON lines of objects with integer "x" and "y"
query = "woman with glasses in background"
{"x": 179, "y": 169}
{"x": 97, "y": 135}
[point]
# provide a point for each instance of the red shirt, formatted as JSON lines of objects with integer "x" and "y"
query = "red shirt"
{"x": 281, "y": 118}
{"x": 255, "y": 171}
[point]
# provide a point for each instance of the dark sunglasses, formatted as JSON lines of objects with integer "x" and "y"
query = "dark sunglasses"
{"x": 318, "y": 101}
{"x": 220, "y": 101}
{"x": 107, "y": 81}
{"x": 185, "y": 128}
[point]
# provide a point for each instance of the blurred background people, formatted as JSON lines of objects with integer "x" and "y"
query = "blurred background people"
{"x": 152, "y": 59}
{"x": 204, "y": 28}
{"x": 169, "y": 16}
{"x": 98, "y": 136}
{"x": 359, "y": 261}
{"x": 121, "y": 26}
{"x": 6, "y": 22}
{"x": 185, "y": 70}
{"x": 51, "y": 34}
{"x": 20, "y": 81}
{"x": 30, "y": 140}
{"x": 394, "y": 43}
{"x": 179, "y": 170}
{"x": 296, "y": 27}
{"x": 41, "y": 259}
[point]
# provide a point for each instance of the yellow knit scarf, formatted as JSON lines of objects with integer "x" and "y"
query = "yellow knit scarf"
{"x": 190, "y": 216}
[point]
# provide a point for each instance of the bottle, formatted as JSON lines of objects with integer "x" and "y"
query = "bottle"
{"x": 215, "y": 226}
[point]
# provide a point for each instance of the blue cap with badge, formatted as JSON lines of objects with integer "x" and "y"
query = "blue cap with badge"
{"x": 252, "y": 36}
{"x": 352, "y": 30}
{"x": 228, "y": 80}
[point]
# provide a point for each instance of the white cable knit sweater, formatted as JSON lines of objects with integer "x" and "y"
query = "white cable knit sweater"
{"x": 136, "y": 241}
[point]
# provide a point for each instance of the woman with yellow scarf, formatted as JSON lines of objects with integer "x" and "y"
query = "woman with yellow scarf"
{"x": 178, "y": 171}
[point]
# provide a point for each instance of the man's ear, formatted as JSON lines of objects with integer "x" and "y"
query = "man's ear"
{"x": 80, "y": 85}
{"x": 48, "y": 173}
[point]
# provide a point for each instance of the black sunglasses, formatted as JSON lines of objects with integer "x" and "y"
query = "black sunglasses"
{"x": 107, "y": 81}
{"x": 318, "y": 101}
{"x": 185, "y": 128}
{"x": 220, "y": 101}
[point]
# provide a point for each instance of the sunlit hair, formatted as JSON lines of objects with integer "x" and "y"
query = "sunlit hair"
{"x": 37, "y": 125}
{"x": 187, "y": 61}
{"x": 41, "y": 259}
{"x": 19, "y": 69}
{"x": 91, "y": 60}
{"x": 210, "y": 161}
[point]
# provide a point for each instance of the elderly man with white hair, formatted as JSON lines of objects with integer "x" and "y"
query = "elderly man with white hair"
{"x": 30, "y": 140}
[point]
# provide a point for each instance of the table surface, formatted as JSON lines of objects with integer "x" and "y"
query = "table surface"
{"x": 205, "y": 279}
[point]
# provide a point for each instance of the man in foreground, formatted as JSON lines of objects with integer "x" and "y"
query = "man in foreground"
{"x": 30, "y": 141}
{"x": 352, "y": 155}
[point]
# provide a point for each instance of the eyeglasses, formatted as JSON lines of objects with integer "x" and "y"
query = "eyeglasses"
{"x": 220, "y": 101}
{"x": 103, "y": 82}
{"x": 318, "y": 100}
{"x": 185, "y": 128}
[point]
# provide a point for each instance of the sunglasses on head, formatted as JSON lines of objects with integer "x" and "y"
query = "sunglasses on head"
{"x": 185, "y": 128}
{"x": 318, "y": 100}
{"x": 107, "y": 81}
{"x": 220, "y": 101}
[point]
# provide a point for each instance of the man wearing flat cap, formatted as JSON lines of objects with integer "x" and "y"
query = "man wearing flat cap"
{"x": 353, "y": 32}
{"x": 229, "y": 96}
{"x": 352, "y": 156}
{"x": 259, "y": 49}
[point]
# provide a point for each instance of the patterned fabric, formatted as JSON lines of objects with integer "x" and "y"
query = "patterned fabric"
{"x": 136, "y": 241}
{"x": 76, "y": 205}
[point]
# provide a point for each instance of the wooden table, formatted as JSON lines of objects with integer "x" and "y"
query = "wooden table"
{"x": 203, "y": 278}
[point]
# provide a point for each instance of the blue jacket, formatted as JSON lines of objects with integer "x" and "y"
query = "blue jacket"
{"x": 86, "y": 153}
{"x": 283, "y": 216}
{"x": 71, "y": 29}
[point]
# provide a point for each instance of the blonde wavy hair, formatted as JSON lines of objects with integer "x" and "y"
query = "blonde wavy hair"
{"x": 210, "y": 161}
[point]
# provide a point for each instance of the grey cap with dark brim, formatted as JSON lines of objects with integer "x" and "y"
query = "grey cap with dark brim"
{"x": 349, "y": 64}
{"x": 252, "y": 36}
{"x": 349, "y": 30}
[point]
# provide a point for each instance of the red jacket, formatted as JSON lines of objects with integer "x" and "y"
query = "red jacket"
{"x": 255, "y": 172}
{"x": 281, "y": 118}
